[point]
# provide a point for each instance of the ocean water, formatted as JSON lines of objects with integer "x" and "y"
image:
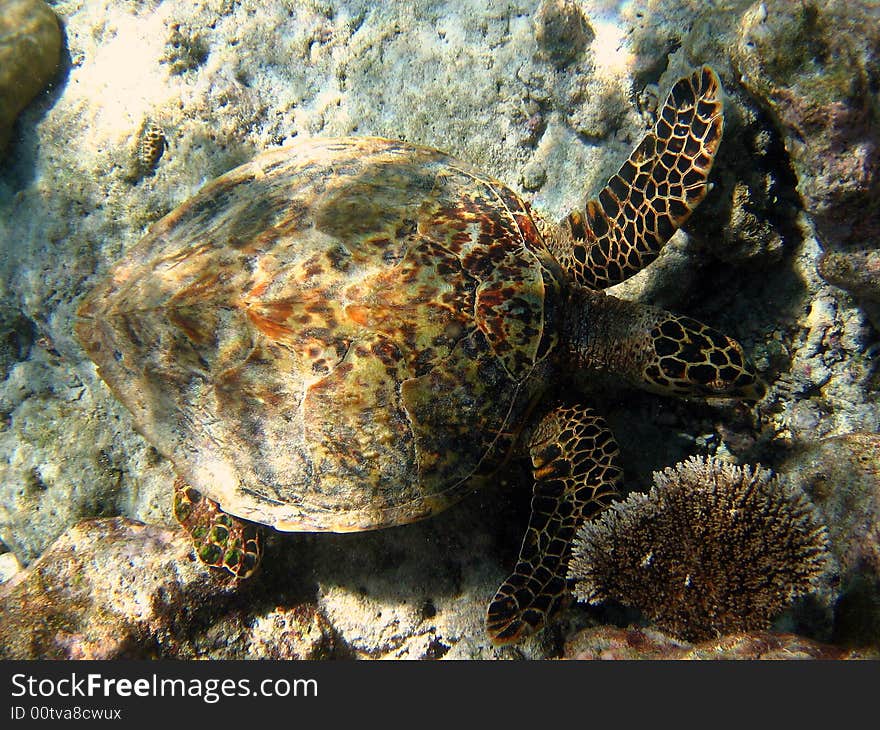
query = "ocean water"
{"x": 115, "y": 114}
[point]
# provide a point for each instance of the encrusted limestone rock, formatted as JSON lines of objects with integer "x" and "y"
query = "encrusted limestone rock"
{"x": 814, "y": 65}
{"x": 114, "y": 588}
{"x": 107, "y": 588}
{"x": 9, "y": 566}
{"x": 30, "y": 48}
{"x": 842, "y": 476}
{"x": 562, "y": 31}
{"x": 855, "y": 271}
{"x": 858, "y": 272}
{"x": 299, "y": 632}
{"x": 17, "y": 335}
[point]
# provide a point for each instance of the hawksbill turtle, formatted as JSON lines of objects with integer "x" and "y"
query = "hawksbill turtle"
{"x": 341, "y": 334}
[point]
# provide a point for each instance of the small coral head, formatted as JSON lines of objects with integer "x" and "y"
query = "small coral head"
{"x": 713, "y": 549}
{"x": 691, "y": 358}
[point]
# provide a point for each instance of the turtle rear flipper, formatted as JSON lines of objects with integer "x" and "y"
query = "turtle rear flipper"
{"x": 574, "y": 460}
{"x": 653, "y": 193}
{"x": 220, "y": 540}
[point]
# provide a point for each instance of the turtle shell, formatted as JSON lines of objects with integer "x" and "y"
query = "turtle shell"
{"x": 333, "y": 336}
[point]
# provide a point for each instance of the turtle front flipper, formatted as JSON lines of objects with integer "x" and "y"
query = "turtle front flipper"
{"x": 574, "y": 460}
{"x": 653, "y": 193}
{"x": 220, "y": 540}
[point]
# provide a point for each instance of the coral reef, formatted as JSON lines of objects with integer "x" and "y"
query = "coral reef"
{"x": 225, "y": 79}
{"x": 712, "y": 549}
{"x": 609, "y": 642}
{"x": 30, "y": 49}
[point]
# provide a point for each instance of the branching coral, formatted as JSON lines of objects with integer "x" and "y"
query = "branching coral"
{"x": 711, "y": 549}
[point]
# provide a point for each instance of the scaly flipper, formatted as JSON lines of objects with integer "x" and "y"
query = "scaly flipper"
{"x": 653, "y": 193}
{"x": 574, "y": 459}
{"x": 220, "y": 540}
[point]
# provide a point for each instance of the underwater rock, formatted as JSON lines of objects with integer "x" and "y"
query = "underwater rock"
{"x": 828, "y": 386}
{"x": 30, "y": 49}
{"x": 562, "y": 31}
{"x": 9, "y": 566}
{"x": 749, "y": 216}
{"x": 842, "y": 476}
{"x": 46, "y": 484}
{"x": 858, "y": 272}
{"x": 185, "y": 50}
{"x": 17, "y": 335}
{"x": 107, "y": 588}
{"x": 250, "y": 629}
{"x": 815, "y": 67}
{"x": 420, "y": 591}
{"x": 300, "y": 632}
{"x": 609, "y": 642}
{"x": 710, "y": 550}
{"x": 114, "y": 588}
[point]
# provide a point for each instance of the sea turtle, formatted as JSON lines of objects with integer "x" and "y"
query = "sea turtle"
{"x": 339, "y": 335}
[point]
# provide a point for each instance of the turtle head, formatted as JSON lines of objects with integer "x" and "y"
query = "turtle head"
{"x": 690, "y": 358}
{"x": 657, "y": 350}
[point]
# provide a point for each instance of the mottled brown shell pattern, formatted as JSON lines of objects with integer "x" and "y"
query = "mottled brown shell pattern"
{"x": 333, "y": 336}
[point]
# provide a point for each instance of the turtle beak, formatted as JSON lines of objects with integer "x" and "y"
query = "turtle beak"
{"x": 748, "y": 386}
